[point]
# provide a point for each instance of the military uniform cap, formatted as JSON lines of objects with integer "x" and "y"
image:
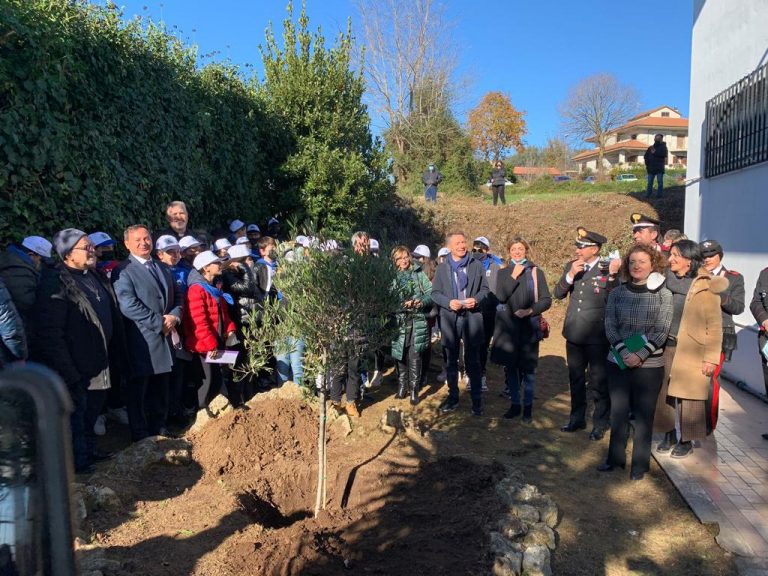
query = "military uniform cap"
{"x": 710, "y": 248}
{"x": 586, "y": 238}
{"x": 642, "y": 221}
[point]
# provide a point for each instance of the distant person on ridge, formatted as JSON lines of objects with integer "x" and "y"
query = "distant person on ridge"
{"x": 655, "y": 160}
{"x": 431, "y": 178}
{"x": 498, "y": 181}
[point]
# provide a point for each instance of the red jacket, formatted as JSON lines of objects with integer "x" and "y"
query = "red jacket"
{"x": 201, "y": 321}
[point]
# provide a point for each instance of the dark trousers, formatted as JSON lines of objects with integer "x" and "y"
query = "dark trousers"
{"x": 632, "y": 390}
{"x": 498, "y": 194}
{"x": 147, "y": 404}
{"x": 348, "y": 374}
{"x": 86, "y": 407}
{"x": 471, "y": 362}
{"x": 591, "y": 359}
{"x": 489, "y": 323}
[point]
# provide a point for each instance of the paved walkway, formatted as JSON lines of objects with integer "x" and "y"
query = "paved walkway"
{"x": 725, "y": 480}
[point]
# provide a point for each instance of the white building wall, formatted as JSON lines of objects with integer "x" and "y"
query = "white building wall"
{"x": 729, "y": 40}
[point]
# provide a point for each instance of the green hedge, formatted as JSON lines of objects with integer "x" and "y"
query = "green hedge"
{"x": 103, "y": 121}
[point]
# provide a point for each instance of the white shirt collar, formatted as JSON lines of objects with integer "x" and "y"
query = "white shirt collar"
{"x": 716, "y": 271}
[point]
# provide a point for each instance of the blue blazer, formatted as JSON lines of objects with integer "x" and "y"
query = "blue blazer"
{"x": 444, "y": 290}
{"x": 144, "y": 302}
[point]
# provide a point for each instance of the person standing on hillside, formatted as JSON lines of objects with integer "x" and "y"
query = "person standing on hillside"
{"x": 655, "y": 160}
{"x": 587, "y": 284}
{"x": 431, "y": 178}
{"x": 498, "y": 181}
{"x": 460, "y": 289}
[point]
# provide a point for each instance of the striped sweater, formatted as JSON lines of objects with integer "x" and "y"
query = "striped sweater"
{"x": 633, "y": 309}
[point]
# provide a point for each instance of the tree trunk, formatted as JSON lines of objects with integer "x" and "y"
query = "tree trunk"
{"x": 321, "y": 452}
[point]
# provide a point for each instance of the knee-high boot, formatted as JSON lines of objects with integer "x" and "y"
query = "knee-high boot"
{"x": 414, "y": 376}
{"x": 402, "y": 379}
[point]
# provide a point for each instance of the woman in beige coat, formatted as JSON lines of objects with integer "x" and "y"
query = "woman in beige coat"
{"x": 697, "y": 350}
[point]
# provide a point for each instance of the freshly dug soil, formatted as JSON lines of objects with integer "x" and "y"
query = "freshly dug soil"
{"x": 394, "y": 506}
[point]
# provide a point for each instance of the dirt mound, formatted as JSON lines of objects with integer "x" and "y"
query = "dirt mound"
{"x": 265, "y": 457}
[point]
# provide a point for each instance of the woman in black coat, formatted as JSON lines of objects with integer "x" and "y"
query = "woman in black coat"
{"x": 522, "y": 289}
{"x": 498, "y": 181}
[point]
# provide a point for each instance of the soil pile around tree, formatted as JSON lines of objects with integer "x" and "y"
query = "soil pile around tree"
{"x": 244, "y": 505}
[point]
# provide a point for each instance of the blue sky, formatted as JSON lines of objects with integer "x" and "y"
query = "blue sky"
{"x": 533, "y": 50}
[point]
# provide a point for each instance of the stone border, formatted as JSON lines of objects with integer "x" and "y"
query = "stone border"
{"x": 522, "y": 539}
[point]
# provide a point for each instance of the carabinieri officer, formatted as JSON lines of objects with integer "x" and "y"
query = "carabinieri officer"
{"x": 587, "y": 281}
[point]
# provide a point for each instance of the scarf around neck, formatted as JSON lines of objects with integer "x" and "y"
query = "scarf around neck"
{"x": 460, "y": 269}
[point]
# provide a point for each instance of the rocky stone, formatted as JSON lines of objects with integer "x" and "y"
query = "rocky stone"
{"x": 540, "y": 535}
{"x": 178, "y": 456}
{"x": 527, "y": 513}
{"x": 219, "y": 406}
{"x": 549, "y": 512}
{"x": 94, "y": 573}
{"x": 500, "y": 545}
{"x": 527, "y": 493}
{"x": 78, "y": 503}
{"x": 508, "y": 565}
{"x": 95, "y": 560}
{"x": 536, "y": 561}
{"x": 512, "y": 527}
{"x": 393, "y": 418}
{"x": 343, "y": 424}
{"x": 101, "y": 498}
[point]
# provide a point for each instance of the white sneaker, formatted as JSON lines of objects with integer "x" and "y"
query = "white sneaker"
{"x": 375, "y": 382}
{"x": 100, "y": 427}
{"x": 484, "y": 385}
{"x": 118, "y": 415}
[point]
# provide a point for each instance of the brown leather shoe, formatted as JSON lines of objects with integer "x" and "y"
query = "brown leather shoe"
{"x": 352, "y": 410}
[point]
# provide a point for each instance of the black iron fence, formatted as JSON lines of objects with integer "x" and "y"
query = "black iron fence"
{"x": 736, "y": 126}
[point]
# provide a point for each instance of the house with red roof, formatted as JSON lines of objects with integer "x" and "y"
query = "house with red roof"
{"x": 627, "y": 144}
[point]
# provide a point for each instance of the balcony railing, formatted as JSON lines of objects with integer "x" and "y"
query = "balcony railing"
{"x": 736, "y": 125}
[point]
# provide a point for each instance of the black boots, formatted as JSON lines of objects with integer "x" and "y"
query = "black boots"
{"x": 513, "y": 412}
{"x": 402, "y": 380}
{"x": 527, "y": 413}
{"x": 670, "y": 439}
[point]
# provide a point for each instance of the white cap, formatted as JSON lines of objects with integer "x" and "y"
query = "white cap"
{"x": 38, "y": 245}
{"x": 204, "y": 258}
{"x": 443, "y": 252}
{"x": 302, "y": 241}
{"x": 101, "y": 239}
{"x": 238, "y": 251}
{"x": 484, "y": 240}
{"x": 253, "y": 228}
{"x": 221, "y": 244}
{"x": 188, "y": 242}
{"x": 235, "y": 225}
{"x": 166, "y": 242}
{"x": 373, "y": 244}
{"x": 273, "y": 220}
{"x": 422, "y": 250}
{"x": 242, "y": 240}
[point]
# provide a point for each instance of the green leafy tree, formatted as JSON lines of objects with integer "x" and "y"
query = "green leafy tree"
{"x": 335, "y": 167}
{"x": 341, "y": 305}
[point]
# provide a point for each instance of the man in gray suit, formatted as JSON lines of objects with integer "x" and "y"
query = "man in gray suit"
{"x": 151, "y": 303}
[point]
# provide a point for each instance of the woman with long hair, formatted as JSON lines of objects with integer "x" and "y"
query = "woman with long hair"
{"x": 523, "y": 292}
{"x": 413, "y": 335}
{"x": 693, "y": 349}
{"x": 637, "y": 319}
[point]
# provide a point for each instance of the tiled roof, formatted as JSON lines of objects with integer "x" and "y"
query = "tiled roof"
{"x": 651, "y": 111}
{"x": 655, "y": 121}
{"x": 623, "y": 145}
{"x": 535, "y": 171}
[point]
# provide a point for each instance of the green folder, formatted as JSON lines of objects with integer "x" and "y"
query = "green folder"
{"x": 634, "y": 343}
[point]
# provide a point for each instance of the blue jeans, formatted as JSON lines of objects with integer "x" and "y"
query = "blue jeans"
{"x": 291, "y": 364}
{"x": 514, "y": 378}
{"x": 660, "y": 180}
{"x": 430, "y": 194}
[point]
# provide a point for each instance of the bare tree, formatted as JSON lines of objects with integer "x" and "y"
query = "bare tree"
{"x": 409, "y": 65}
{"x": 596, "y": 106}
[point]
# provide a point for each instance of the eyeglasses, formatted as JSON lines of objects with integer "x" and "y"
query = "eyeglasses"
{"x": 88, "y": 248}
